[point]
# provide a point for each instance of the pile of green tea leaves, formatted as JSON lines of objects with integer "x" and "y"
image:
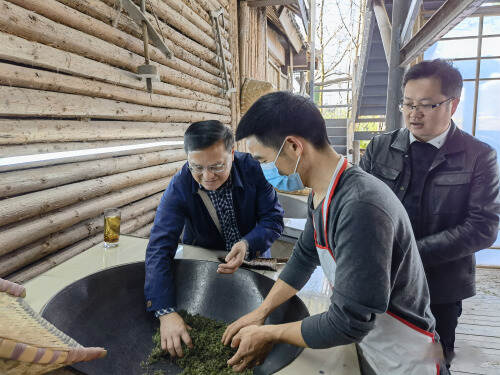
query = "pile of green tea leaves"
{"x": 208, "y": 355}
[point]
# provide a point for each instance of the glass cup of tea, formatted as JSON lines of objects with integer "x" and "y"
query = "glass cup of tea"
{"x": 112, "y": 218}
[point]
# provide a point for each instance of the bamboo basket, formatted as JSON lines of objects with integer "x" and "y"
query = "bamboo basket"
{"x": 252, "y": 90}
{"x": 29, "y": 344}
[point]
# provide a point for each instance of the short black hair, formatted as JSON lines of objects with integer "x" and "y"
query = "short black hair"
{"x": 279, "y": 114}
{"x": 449, "y": 76}
{"x": 203, "y": 134}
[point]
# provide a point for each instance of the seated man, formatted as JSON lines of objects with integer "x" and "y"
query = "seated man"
{"x": 359, "y": 233}
{"x": 222, "y": 201}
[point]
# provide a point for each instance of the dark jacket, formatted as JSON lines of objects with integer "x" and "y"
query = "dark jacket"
{"x": 258, "y": 214}
{"x": 459, "y": 204}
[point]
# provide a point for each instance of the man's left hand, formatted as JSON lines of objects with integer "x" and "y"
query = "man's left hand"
{"x": 254, "y": 344}
{"x": 234, "y": 259}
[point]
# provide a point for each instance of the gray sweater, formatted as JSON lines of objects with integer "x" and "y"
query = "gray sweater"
{"x": 378, "y": 264}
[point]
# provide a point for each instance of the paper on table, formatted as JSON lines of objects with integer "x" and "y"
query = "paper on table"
{"x": 298, "y": 224}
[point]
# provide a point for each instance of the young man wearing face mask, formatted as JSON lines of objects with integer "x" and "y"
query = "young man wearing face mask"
{"x": 219, "y": 200}
{"x": 358, "y": 232}
{"x": 447, "y": 181}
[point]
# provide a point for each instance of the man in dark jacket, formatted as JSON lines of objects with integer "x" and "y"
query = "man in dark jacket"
{"x": 222, "y": 201}
{"x": 448, "y": 182}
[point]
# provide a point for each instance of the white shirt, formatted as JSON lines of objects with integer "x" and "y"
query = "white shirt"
{"x": 437, "y": 142}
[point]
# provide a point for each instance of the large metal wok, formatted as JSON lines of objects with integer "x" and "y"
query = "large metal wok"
{"x": 107, "y": 309}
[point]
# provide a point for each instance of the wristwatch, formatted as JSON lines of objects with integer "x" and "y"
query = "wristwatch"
{"x": 166, "y": 311}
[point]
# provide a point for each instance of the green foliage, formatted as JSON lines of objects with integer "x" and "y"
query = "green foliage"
{"x": 207, "y": 357}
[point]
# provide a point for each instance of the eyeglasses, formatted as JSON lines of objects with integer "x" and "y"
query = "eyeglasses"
{"x": 198, "y": 169}
{"x": 423, "y": 108}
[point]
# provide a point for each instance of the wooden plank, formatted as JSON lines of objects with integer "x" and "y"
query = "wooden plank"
{"x": 33, "y": 131}
{"x": 493, "y": 321}
{"x": 19, "y": 76}
{"x": 35, "y": 54}
{"x": 33, "y": 26}
{"x": 275, "y": 48}
{"x": 446, "y": 17}
{"x": 471, "y": 329}
{"x": 22, "y": 102}
{"x": 7, "y": 151}
{"x": 25, "y": 181}
{"x": 475, "y": 362}
{"x": 479, "y": 341}
{"x": 29, "y": 231}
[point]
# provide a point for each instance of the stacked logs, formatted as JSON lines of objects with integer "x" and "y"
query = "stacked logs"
{"x": 68, "y": 84}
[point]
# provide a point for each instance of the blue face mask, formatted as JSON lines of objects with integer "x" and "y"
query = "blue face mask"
{"x": 280, "y": 182}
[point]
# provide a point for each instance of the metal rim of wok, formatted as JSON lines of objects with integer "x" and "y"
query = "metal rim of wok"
{"x": 107, "y": 309}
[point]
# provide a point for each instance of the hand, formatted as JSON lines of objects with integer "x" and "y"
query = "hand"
{"x": 234, "y": 259}
{"x": 254, "y": 344}
{"x": 255, "y": 317}
{"x": 172, "y": 330}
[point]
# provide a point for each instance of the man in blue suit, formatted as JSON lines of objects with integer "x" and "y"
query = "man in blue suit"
{"x": 222, "y": 201}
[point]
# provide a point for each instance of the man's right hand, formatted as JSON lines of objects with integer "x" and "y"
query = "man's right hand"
{"x": 256, "y": 317}
{"x": 173, "y": 329}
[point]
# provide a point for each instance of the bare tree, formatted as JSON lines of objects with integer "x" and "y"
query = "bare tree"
{"x": 338, "y": 35}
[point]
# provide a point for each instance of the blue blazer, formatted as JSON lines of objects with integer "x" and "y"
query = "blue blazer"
{"x": 258, "y": 214}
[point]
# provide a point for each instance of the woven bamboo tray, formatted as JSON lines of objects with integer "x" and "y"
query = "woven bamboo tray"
{"x": 29, "y": 344}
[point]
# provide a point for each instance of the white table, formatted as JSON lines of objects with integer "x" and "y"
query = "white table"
{"x": 334, "y": 361}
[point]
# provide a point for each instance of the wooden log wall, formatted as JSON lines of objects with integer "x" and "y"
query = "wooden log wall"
{"x": 68, "y": 83}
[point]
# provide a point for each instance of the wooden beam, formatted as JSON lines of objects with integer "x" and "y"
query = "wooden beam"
{"x": 14, "y": 132}
{"x": 413, "y": 12}
{"x": 35, "y": 54}
{"x": 29, "y": 231}
{"x": 290, "y": 30}
{"x": 37, "y": 203}
{"x": 36, "y": 179}
{"x": 20, "y": 102}
{"x": 7, "y": 151}
{"x": 72, "y": 152}
{"x": 176, "y": 42}
{"x": 268, "y": 3}
{"x": 304, "y": 15}
{"x": 53, "y": 260}
{"x": 448, "y": 16}
{"x": 18, "y": 76}
{"x": 33, "y": 26}
{"x": 22, "y": 257}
